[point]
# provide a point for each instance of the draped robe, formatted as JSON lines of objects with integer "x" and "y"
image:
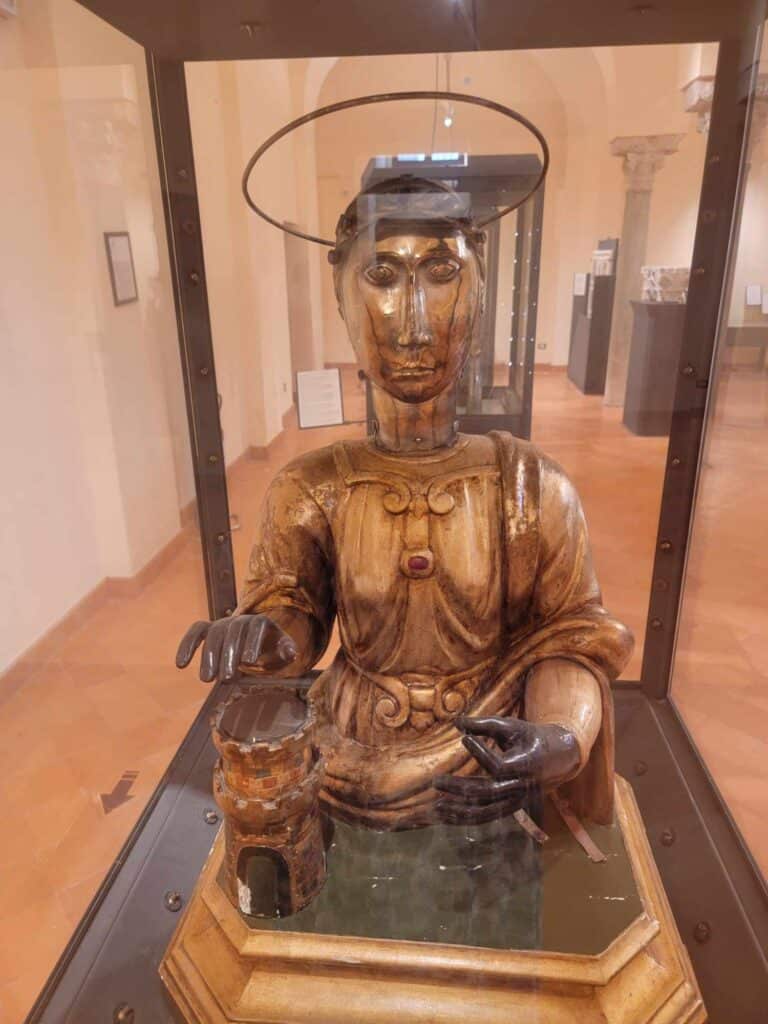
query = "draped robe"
{"x": 451, "y": 574}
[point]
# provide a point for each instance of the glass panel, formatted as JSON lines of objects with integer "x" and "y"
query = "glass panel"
{"x": 101, "y": 558}
{"x": 721, "y": 665}
{"x": 621, "y": 195}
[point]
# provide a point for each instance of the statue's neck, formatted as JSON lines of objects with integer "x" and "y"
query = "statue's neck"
{"x": 414, "y": 427}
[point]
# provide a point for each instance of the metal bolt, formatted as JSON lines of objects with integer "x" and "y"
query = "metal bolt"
{"x": 699, "y": 271}
{"x": 250, "y": 27}
{"x": 204, "y": 371}
{"x": 193, "y": 277}
{"x": 640, "y": 767}
{"x": 715, "y": 158}
{"x": 221, "y": 537}
{"x": 173, "y": 900}
{"x": 668, "y": 837}
{"x": 666, "y": 545}
{"x": 124, "y": 1014}
{"x": 213, "y": 458}
{"x": 656, "y": 623}
{"x": 182, "y": 173}
{"x": 687, "y": 370}
{"x": 210, "y": 816}
{"x": 702, "y": 932}
{"x": 676, "y": 461}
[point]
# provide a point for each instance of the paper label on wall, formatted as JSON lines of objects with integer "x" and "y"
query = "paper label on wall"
{"x": 754, "y": 295}
{"x": 319, "y": 397}
{"x": 765, "y": 302}
{"x": 122, "y": 267}
{"x": 579, "y": 284}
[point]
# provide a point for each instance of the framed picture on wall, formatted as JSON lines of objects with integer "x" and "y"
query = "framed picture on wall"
{"x": 120, "y": 261}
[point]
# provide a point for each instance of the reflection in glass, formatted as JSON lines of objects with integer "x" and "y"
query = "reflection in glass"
{"x": 721, "y": 660}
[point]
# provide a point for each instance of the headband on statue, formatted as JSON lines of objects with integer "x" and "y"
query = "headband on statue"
{"x": 405, "y": 204}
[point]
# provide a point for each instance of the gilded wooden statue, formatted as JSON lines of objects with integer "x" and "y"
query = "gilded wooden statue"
{"x": 475, "y": 655}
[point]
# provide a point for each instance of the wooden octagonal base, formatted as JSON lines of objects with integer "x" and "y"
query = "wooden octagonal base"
{"x": 219, "y": 970}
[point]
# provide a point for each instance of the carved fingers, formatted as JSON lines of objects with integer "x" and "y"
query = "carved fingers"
{"x": 253, "y": 641}
{"x": 478, "y": 791}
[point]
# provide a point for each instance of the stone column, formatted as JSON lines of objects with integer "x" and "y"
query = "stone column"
{"x": 642, "y": 156}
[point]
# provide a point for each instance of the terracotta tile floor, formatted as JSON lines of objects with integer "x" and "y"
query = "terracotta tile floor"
{"x": 108, "y": 698}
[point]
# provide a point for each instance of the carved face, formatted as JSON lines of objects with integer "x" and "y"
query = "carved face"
{"x": 411, "y": 300}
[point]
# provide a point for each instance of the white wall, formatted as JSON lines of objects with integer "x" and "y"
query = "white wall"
{"x": 93, "y": 474}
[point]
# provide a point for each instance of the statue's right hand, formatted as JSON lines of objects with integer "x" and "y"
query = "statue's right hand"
{"x": 254, "y": 641}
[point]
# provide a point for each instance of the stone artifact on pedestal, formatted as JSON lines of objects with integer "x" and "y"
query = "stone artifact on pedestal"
{"x": 642, "y": 156}
{"x": 485, "y": 861}
{"x": 665, "y": 284}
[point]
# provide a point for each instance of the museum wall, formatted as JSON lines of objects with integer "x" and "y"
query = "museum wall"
{"x": 244, "y": 257}
{"x": 92, "y": 408}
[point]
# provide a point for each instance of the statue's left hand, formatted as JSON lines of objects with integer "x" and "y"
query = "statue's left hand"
{"x": 527, "y": 755}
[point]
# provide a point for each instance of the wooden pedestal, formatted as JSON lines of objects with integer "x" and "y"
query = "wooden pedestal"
{"x": 219, "y": 970}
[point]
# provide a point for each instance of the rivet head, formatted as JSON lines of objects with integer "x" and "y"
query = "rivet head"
{"x": 188, "y": 227}
{"x": 668, "y": 837}
{"x": 221, "y": 537}
{"x": 182, "y": 174}
{"x": 173, "y": 900}
{"x": 204, "y": 371}
{"x": 124, "y": 1014}
{"x": 699, "y": 271}
{"x": 714, "y": 159}
{"x": 702, "y": 932}
{"x": 193, "y": 277}
{"x": 656, "y": 623}
{"x": 666, "y": 545}
{"x": 640, "y": 767}
{"x": 676, "y": 461}
{"x": 661, "y": 584}
{"x": 210, "y": 816}
{"x": 687, "y": 370}
{"x": 212, "y": 458}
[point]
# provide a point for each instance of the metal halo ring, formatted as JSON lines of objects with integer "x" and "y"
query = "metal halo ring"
{"x": 385, "y": 97}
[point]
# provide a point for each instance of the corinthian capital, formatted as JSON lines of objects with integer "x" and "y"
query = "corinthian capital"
{"x": 643, "y": 155}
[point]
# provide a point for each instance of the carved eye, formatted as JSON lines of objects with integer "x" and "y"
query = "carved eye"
{"x": 443, "y": 270}
{"x": 380, "y": 274}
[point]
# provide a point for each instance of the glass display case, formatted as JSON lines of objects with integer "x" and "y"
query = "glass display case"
{"x": 176, "y": 852}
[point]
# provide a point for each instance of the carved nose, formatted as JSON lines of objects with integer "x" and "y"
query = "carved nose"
{"x": 411, "y": 338}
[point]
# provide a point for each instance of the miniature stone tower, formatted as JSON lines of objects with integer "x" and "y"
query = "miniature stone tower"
{"x": 267, "y": 782}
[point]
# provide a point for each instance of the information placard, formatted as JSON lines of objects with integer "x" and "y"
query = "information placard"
{"x": 319, "y": 398}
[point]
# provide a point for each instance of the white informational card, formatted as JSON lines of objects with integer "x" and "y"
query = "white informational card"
{"x": 754, "y": 295}
{"x": 765, "y": 302}
{"x": 121, "y": 267}
{"x": 579, "y": 284}
{"x": 319, "y": 398}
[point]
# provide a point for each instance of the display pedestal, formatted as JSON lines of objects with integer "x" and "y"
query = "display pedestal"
{"x": 219, "y": 970}
{"x": 588, "y": 355}
{"x": 654, "y": 361}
